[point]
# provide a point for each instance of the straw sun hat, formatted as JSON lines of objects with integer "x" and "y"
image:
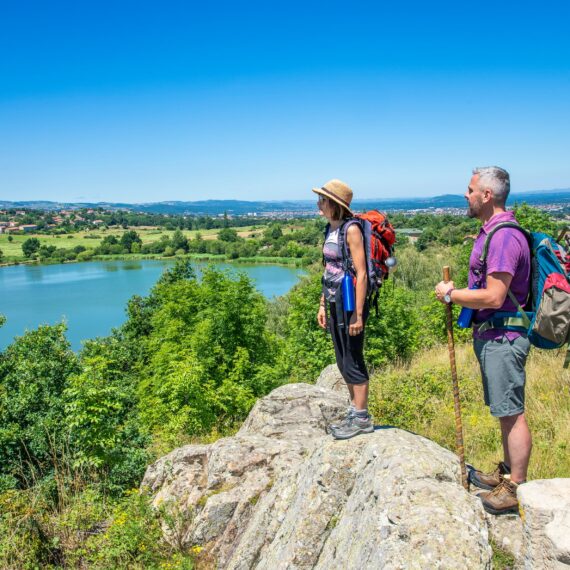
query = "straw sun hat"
{"x": 337, "y": 191}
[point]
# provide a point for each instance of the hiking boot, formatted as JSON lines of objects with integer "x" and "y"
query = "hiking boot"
{"x": 489, "y": 481}
{"x": 354, "y": 426}
{"x": 502, "y": 499}
{"x": 350, "y": 413}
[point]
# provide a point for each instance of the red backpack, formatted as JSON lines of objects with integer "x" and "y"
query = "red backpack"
{"x": 379, "y": 237}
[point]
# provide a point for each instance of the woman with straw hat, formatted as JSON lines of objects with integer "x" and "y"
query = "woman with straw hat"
{"x": 346, "y": 327}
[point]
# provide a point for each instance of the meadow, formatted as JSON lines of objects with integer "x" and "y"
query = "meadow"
{"x": 418, "y": 397}
{"x": 12, "y": 248}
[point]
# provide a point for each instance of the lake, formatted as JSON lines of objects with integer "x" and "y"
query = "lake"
{"x": 91, "y": 297}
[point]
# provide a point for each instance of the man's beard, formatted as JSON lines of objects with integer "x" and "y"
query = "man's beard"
{"x": 473, "y": 210}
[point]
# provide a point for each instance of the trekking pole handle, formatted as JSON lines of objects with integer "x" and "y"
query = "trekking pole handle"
{"x": 446, "y": 273}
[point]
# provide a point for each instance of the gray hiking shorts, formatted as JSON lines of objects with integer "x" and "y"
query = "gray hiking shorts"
{"x": 502, "y": 364}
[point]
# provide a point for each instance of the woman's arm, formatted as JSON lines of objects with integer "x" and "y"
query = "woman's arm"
{"x": 356, "y": 244}
{"x": 322, "y": 315}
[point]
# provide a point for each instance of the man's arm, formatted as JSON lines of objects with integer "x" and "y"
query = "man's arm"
{"x": 492, "y": 297}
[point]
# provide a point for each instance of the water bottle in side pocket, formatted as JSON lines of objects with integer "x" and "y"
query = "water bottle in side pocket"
{"x": 465, "y": 319}
{"x": 348, "y": 300}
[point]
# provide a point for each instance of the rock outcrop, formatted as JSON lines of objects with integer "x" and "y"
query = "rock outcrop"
{"x": 281, "y": 494}
{"x": 545, "y": 510}
{"x": 332, "y": 379}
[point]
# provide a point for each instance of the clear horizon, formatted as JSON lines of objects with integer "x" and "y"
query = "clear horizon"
{"x": 309, "y": 200}
{"x": 127, "y": 103}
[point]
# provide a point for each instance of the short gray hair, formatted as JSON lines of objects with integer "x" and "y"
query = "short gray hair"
{"x": 497, "y": 180}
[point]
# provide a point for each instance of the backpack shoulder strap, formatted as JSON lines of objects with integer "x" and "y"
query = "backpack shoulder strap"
{"x": 485, "y": 253}
{"x": 326, "y": 235}
{"x": 342, "y": 241}
{"x": 514, "y": 225}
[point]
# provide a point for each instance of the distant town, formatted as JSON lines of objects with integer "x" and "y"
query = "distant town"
{"x": 31, "y": 216}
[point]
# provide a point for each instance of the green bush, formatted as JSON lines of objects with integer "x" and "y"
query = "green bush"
{"x": 33, "y": 373}
{"x": 86, "y": 255}
{"x": 100, "y": 411}
{"x": 205, "y": 345}
{"x": 132, "y": 539}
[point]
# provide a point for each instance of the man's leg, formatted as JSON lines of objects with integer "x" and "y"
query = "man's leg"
{"x": 517, "y": 445}
{"x": 505, "y": 440}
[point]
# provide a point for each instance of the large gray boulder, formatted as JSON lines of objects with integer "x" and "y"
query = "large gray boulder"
{"x": 545, "y": 510}
{"x": 282, "y": 494}
{"x": 332, "y": 379}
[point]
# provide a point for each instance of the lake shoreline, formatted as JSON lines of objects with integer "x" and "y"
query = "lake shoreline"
{"x": 258, "y": 260}
{"x": 92, "y": 297}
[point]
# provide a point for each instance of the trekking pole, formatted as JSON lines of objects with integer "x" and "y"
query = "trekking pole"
{"x": 458, "y": 426}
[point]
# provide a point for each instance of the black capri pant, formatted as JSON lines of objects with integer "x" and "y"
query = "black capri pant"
{"x": 348, "y": 349}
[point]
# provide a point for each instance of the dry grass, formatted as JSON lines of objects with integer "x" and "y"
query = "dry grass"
{"x": 418, "y": 397}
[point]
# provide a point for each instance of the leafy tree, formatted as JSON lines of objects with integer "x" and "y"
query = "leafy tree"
{"x": 30, "y": 246}
{"x": 10, "y": 239}
{"x": 427, "y": 237}
{"x": 129, "y": 238}
{"x": 535, "y": 220}
{"x": 1, "y": 256}
{"x": 179, "y": 241}
{"x": 33, "y": 372}
{"x": 100, "y": 407}
{"x": 110, "y": 240}
{"x": 307, "y": 348}
{"x": 273, "y": 232}
{"x": 207, "y": 350}
{"x": 86, "y": 255}
{"x": 228, "y": 234}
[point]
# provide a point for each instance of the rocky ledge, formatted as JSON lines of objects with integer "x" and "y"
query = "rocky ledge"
{"x": 283, "y": 494}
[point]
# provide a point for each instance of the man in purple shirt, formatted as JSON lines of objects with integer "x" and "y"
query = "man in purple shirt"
{"x": 502, "y": 354}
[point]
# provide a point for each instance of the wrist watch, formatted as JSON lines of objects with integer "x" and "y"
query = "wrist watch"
{"x": 447, "y": 296}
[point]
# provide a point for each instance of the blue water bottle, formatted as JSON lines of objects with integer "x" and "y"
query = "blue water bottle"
{"x": 347, "y": 292}
{"x": 465, "y": 318}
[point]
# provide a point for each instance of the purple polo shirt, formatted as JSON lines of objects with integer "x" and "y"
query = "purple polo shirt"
{"x": 508, "y": 253}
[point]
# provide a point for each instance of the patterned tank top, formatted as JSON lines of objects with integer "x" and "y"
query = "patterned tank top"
{"x": 334, "y": 271}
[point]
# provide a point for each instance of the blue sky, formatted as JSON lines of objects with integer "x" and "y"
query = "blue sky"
{"x": 139, "y": 101}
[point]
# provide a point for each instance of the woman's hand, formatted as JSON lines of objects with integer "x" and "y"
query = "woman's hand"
{"x": 322, "y": 317}
{"x": 356, "y": 325}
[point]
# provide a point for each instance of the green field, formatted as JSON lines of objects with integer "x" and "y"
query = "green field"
{"x": 91, "y": 239}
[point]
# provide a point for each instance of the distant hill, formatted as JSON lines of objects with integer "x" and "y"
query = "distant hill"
{"x": 242, "y": 207}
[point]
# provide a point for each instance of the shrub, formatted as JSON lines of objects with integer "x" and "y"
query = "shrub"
{"x": 30, "y": 246}
{"x": 33, "y": 373}
{"x": 86, "y": 255}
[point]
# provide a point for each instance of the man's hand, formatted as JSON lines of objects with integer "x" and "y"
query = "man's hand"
{"x": 322, "y": 317}
{"x": 356, "y": 325}
{"x": 442, "y": 288}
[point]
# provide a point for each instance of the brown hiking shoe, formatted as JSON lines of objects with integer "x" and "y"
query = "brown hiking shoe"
{"x": 489, "y": 481}
{"x": 502, "y": 499}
